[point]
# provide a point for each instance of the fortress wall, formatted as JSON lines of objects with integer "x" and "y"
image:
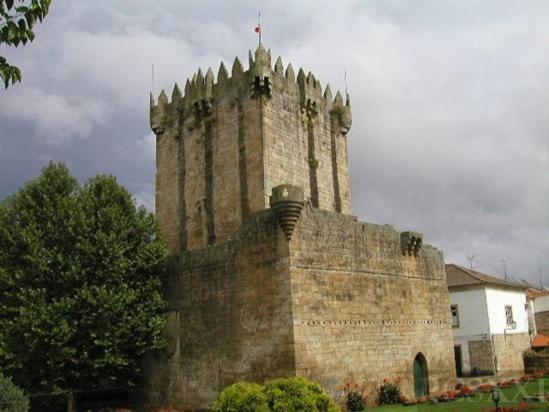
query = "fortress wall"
{"x": 227, "y": 146}
{"x": 321, "y": 129}
{"x": 285, "y": 138}
{"x": 253, "y": 129}
{"x": 341, "y": 153}
{"x": 298, "y": 142}
{"x": 229, "y": 319}
{"x": 362, "y": 311}
{"x": 167, "y": 193}
{"x": 195, "y": 184}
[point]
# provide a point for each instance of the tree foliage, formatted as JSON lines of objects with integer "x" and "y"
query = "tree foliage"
{"x": 80, "y": 298}
{"x": 17, "y": 19}
{"x": 12, "y": 398}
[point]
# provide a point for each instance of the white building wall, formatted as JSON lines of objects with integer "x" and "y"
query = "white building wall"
{"x": 473, "y": 320}
{"x": 473, "y": 313}
{"x": 541, "y": 304}
{"x": 496, "y": 300}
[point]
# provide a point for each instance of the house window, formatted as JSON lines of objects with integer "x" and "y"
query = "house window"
{"x": 455, "y": 316}
{"x": 509, "y": 315}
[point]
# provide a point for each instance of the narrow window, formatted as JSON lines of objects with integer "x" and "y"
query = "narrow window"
{"x": 455, "y": 316}
{"x": 509, "y": 315}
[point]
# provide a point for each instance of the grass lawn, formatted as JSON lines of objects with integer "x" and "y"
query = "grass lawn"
{"x": 510, "y": 397}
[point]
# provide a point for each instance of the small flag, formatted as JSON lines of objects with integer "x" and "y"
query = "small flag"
{"x": 258, "y": 29}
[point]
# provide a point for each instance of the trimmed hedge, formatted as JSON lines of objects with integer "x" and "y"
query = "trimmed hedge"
{"x": 242, "y": 397}
{"x": 12, "y": 399}
{"x": 279, "y": 395}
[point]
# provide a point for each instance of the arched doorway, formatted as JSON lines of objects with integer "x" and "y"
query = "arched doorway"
{"x": 421, "y": 376}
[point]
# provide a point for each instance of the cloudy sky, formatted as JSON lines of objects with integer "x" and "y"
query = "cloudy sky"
{"x": 450, "y": 99}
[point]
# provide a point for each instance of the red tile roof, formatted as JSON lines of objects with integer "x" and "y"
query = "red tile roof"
{"x": 535, "y": 293}
{"x": 540, "y": 341}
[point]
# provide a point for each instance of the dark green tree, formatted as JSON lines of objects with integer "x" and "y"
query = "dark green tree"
{"x": 17, "y": 19}
{"x": 12, "y": 398}
{"x": 80, "y": 271}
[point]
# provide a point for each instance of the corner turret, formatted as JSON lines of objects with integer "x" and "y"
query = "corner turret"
{"x": 260, "y": 71}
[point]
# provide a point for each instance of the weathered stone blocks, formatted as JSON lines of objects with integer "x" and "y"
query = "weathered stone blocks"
{"x": 272, "y": 276}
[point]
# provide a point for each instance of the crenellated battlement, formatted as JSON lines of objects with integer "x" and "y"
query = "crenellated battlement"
{"x": 261, "y": 79}
{"x": 224, "y": 142}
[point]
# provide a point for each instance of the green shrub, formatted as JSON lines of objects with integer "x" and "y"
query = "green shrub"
{"x": 389, "y": 393}
{"x": 298, "y": 395}
{"x": 12, "y": 399}
{"x": 355, "y": 401}
{"x": 242, "y": 397}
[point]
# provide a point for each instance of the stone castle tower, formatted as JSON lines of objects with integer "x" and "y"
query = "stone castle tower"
{"x": 272, "y": 276}
{"x": 223, "y": 147}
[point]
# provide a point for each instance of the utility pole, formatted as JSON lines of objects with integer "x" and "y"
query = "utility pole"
{"x": 504, "y": 269}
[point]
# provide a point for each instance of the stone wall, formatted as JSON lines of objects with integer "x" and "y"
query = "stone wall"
{"x": 481, "y": 357}
{"x": 304, "y": 145}
{"x": 167, "y": 187}
{"x": 229, "y": 319}
{"x": 338, "y": 302}
{"x": 542, "y": 323}
{"x": 509, "y": 350}
{"x": 536, "y": 361}
{"x": 363, "y": 311}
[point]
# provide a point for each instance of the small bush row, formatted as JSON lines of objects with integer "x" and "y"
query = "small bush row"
{"x": 279, "y": 395}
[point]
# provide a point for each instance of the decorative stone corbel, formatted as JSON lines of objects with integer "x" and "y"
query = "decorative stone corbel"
{"x": 287, "y": 201}
{"x": 410, "y": 243}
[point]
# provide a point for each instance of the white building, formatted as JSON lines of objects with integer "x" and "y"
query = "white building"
{"x": 490, "y": 323}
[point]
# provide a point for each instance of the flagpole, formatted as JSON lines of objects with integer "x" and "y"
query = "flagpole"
{"x": 259, "y": 24}
{"x": 152, "y": 80}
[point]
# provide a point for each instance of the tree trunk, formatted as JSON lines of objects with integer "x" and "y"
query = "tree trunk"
{"x": 71, "y": 402}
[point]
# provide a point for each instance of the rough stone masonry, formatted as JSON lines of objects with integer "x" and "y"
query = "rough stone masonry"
{"x": 272, "y": 275}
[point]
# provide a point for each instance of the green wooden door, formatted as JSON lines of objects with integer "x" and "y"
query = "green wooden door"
{"x": 421, "y": 381}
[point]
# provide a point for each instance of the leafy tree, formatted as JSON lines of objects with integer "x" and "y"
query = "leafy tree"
{"x": 80, "y": 299}
{"x": 12, "y": 398}
{"x": 17, "y": 19}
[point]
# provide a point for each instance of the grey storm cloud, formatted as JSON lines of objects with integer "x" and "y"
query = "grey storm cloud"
{"x": 450, "y": 102}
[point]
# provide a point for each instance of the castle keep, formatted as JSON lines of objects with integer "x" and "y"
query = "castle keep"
{"x": 272, "y": 276}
